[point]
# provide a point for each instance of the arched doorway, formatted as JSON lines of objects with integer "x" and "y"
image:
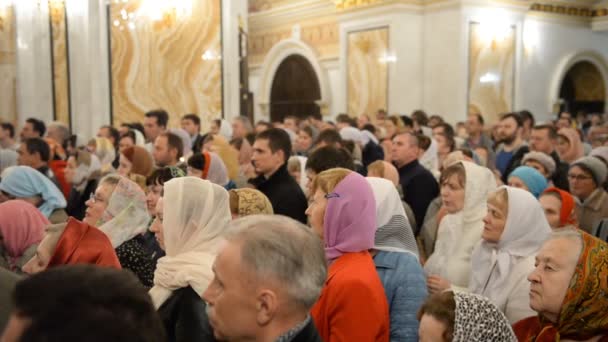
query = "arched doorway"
{"x": 295, "y": 89}
{"x": 583, "y": 89}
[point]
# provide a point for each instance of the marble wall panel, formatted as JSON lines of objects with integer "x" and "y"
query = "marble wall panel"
{"x": 8, "y": 65}
{"x": 61, "y": 75}
{"x": 172, "y": 63}
{"x": 491, "y": 71}
{"x": 367, "y": 71}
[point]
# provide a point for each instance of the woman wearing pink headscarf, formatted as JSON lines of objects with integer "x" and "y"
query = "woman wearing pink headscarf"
{"x": 569, "y": 145}
{"x": 352, "y": 305}
{"x": 21, "y": 229}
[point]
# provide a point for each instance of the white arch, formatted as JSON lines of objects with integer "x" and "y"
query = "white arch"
{"x": 275, "y": 57}
{"x": 567, "y": 62}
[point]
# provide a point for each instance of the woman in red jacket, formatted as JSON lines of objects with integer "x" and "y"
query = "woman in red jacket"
{"x": 352, "y": 305}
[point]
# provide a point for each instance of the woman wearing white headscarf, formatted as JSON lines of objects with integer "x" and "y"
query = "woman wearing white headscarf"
{"x": 396, "y": 258}
{"x": 82, "y": 173}
{"x": 189, "y": 226}
{"x": 118, "y": 208}
{"x": 225, "y": 129}
{"x": 515, "y": 228}
{"x": 8, "y": 158}
{"x": 465, "y": 187}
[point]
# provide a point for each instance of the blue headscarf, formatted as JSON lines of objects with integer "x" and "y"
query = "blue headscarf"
{"x": 24, "y": 181}
{"x": 535, "y": 182}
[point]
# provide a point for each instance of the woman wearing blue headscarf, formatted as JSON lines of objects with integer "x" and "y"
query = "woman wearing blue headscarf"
{"x": 25, "y": 183}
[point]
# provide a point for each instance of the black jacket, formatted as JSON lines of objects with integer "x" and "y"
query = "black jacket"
{"x": 515, "y": 162}
{"x": 308, "y": 334}
{"x": 372, "y": 152}
{"x": 76, "y": 200}
{"x": 419, "y": 189}
{"x": 284, "y": 194}
{"x": 184, "y": 317}
{"x": 560, "y": 177}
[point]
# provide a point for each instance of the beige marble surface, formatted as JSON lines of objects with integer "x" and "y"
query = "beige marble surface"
{"x": 172, "y": 63}
{"x": 367, "y": 71}
{"x": 491, "y": 72}
{"x": 60, "y": 62}
{"x": 8, "y": 65}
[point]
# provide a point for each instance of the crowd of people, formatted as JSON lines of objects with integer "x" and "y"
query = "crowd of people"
{"x": 375, "y": 228}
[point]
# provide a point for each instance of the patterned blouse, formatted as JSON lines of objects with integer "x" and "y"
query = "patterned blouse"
{"x": 133, "y": 257}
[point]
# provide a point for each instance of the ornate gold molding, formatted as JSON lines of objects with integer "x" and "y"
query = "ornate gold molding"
{"x": 575, "y": 11}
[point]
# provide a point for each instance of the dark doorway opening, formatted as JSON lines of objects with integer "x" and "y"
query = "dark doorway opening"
{"x": 583, "y": 89}
{"x": 295, "y": 89}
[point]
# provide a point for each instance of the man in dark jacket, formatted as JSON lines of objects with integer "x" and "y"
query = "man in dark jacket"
{"x": 543, "y": 138}
{"x": 418, "y": 184}
{"x": 271, "y": 151}
{"x": 267, "y": 278}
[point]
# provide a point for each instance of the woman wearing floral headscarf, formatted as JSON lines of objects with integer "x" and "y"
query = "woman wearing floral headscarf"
{"x": 352, "y": 305}
{"x": 25, "y": 183}
{"x": 190, "y": 222}
{"x": 82, "y": 172}
{"x": 118, "y": 208}
{"x": 21, "y": 230}
{"x": 246, "y": 201}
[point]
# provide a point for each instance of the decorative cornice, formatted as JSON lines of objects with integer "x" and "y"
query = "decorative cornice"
{"x": 570, "y": 10}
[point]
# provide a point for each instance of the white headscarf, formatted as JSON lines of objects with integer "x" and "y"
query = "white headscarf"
{"x": 430, "y": 158}
{"x": 394, "y": 232}
{"x": 217, "y": 173}
{"x": 127, "y": 213}
{"x": 526, "y": 229}
{"x": 303, "y": 178}
{"x": 480, "y": 183}
{"x": 196, "y": 213}
{"x": 226, "y": 129}
{"x": 477, "y": 319}
{"x": 353, "y": 134}
{"x": 367, "y": 136}
{"x": 140, "y": 140}
{"x": 88, "y": 166}
{"x": 8, "y": 158}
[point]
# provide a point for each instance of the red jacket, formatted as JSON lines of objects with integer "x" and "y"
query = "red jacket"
{"x": 352, "y": 305}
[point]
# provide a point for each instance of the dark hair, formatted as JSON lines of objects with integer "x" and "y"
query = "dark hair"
{"x": 329, "y": 157}
{"x": 526, "y": 115}
{"x": 38, "y": 145}
{"x": 37, "y": 125}
{"x": 344, "y": 118}
{"x": 192, "y": 117}
{"x": 161, "y": 115}
{"x": 163, "y": 175}
{"x": 420, "y": 117}
{"x": 307, "y": 130}
{"x": 174, "y": 141}
{"x": 479, "y": 118}
{"x": 267, "y": 124}
{"x": 407, "y": 121}
{"x": 329, "y": 136}
{"x": 292, "y": 117}
{"x": 316, "y": 116}
{"x": 370, "y": 128}
{"x": 250, "y": 138}
{"x": 549, "y": 128}
{"x": 197, "y": 161}
{"x": 442, "y": 307}
{"x": 514, "y": 116}
{"x": 137, "y": 126}
{"x": 236, "y": 143}
{"x": 278, "y": 139}
{"x": 424, "y": 142}
{"x": 114, "y": 133}
{"x": 10, "y": 128}
{"x": 468, "y": 152}
{"x": 448, "y": 130}
{"x": 129, "y": 134}
{"x": 96, "y": 304}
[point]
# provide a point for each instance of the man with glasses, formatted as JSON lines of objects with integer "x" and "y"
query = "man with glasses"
{"x": 586, "y": 177}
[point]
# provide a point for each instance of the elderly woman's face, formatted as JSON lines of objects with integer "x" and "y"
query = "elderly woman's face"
{"x": 97, "y": 204}
{"x": 549, "y": 282}
{"x": 41, "y": 259}
{"x": 316, "y": 212}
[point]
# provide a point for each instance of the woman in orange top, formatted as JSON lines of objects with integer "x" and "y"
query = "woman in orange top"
{"x": 72, "y": 243}
{"x": 352, "y": 305}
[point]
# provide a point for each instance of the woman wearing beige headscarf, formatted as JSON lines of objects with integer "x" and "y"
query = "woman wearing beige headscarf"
{"x": 569, "y": 145}
{"x": 244, "y": 202}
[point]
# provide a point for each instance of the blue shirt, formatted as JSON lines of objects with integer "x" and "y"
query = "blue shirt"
{"x": 405, "y": 288}
{"x": 502, "y": 161}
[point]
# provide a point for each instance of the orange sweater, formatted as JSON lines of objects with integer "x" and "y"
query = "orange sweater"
{"x": 352, "y": 305}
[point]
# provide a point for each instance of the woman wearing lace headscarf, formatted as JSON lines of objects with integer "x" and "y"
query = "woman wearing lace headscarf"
{"x": 82, "y": 172}
{"x": 190, "y": 222}
{"x": 463, "y": 317}
{"x": 118, "y": 208}
{"x": 464, "y": 190}
{"x": 396, "y": 258}
{"x": 246, "y": 201}
{"x": 515, "y": 228}
{"x": 27, "y": 184}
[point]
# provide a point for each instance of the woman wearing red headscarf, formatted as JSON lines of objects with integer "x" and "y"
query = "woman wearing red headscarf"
{"x": 72, "y": 243}
{"x": 559, "y": 207}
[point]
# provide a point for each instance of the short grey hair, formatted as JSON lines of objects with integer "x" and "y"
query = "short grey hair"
{"x": 569, "y": 233}
{"x": 282, "y": 249}
{"x": 246, "y": 122}
{"x": 62, "y": 129}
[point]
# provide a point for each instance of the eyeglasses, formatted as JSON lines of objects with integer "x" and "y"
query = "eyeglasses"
{"x": 332, "y": 195}
{"x": 579, "y": 178}
{"x": 94, "y": 198}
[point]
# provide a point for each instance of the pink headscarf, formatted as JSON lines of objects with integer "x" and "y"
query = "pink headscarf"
{"x": 350, "y": 217}
{"x": 21, "y": 226}
{"x": 576, "y": 149}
